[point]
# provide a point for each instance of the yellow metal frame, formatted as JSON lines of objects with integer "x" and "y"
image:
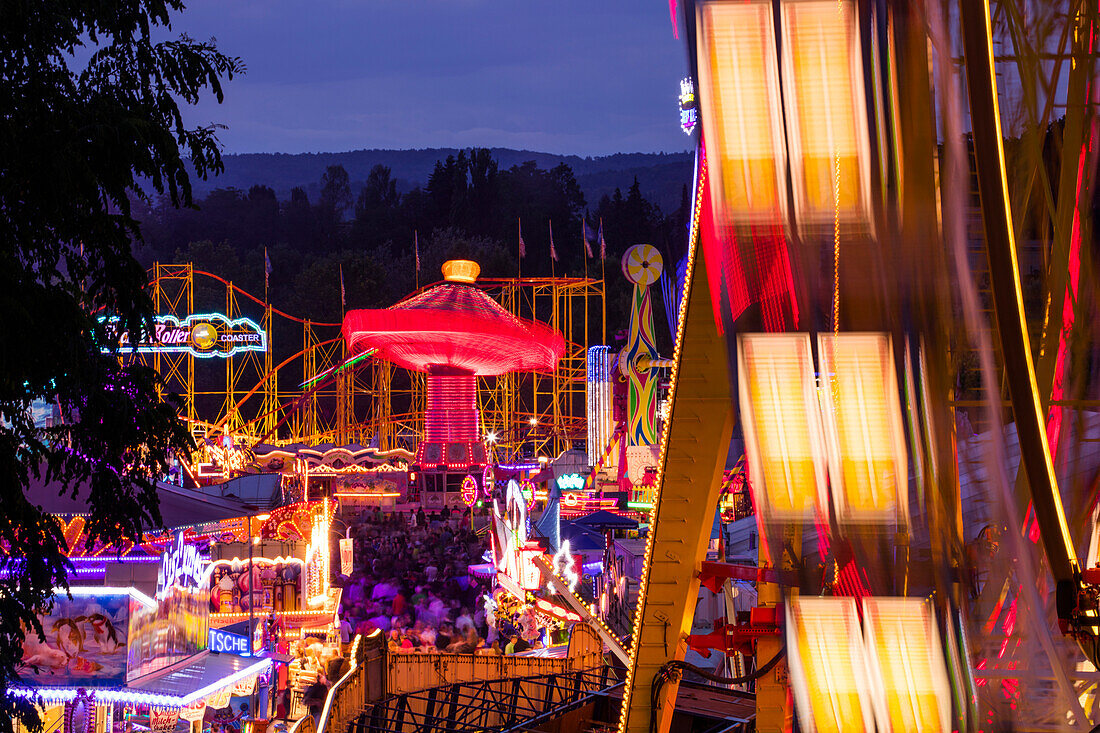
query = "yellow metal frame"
{"x": 251, "y": 403}
{"x": 689, "y": 476}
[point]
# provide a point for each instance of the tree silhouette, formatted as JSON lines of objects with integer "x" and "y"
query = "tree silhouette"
{"x": 80, "y": 141}
{"x": 335, "y": 191}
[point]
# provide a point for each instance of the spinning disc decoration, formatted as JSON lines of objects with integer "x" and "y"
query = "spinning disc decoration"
{"x": 642, "y": 264}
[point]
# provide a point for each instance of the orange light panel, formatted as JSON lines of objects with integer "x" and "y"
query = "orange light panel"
{"x": 868, "y": 469}
{"x": 825, "y": 109}
{"x": 907, "y": 666}
{"x": 739, "y": 80}
{"x": 782, "y": 425}
{"x": 828, "y": 665}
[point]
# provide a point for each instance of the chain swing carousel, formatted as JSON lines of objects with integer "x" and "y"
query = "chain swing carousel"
{"x": 454, "y": 333}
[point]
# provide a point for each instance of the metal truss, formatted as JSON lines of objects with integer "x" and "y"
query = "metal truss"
{"x": 518, "y": 704}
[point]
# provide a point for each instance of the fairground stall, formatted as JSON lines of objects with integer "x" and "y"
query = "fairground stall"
{"x": 158, "y": 632}
{"x": 282, "y": 574}
{"x": 361, "y": 478}
{"x": 108, "y": 656}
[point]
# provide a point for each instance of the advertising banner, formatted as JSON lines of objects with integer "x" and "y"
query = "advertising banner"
{"x": 85, "y": 642}
{"x": 176, "y": 626}
{"x": 163, "y": 718}
{"x": 347, "y": 555}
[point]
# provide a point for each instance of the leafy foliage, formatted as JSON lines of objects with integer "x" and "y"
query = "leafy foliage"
{"x": 77, "y": 142}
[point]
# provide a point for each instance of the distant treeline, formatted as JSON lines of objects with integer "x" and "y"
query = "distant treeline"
{"x": 469, "y": 208}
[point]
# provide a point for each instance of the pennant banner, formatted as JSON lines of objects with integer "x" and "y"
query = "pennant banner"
{"x": 245, "y": 687}
{"x": 220, "y": 699}
{"x": 193, "y": 711}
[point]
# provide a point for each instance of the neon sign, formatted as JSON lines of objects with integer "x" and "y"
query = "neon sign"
{"x": 571, "y": 482}
{"x": 179, "y": 560}
{"x": 564, "y": 566}
{"x": 469, "y": 491}
{"x": 227, "y": 643}
{"x": 205, "y": 335}
{"x": 689, "y": 110}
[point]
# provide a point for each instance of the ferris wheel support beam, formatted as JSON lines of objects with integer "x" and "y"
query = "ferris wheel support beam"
{"x": 693, "y": 452}
{"x": 1008, "y": 300}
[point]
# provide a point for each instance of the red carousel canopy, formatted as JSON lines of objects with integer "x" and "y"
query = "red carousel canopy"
{"x": 457, "y": 327}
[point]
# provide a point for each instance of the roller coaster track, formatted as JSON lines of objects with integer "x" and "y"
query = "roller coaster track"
{"x": 312, "y": 390}
{"x": 528, "y": 413}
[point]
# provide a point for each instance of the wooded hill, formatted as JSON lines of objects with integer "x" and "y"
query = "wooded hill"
{"x": 660, "y": 175}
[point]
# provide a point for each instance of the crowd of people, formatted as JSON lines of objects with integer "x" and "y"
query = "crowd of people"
{"x": 411, "y": 582}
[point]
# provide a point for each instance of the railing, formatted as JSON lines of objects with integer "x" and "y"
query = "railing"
{"x": 346, "y": 698}
{"x": 523, "y": 703}
{"x": 304, "y": 725}
{"x": 344, "y": 701}
{"x": 414, "y": 672}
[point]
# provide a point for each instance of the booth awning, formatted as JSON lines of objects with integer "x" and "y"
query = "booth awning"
{"x": 178, "y": 507}
{"x": 204, "y": 674}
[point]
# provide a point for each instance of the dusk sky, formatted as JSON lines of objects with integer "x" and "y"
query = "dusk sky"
{"x": 589, "y": 77}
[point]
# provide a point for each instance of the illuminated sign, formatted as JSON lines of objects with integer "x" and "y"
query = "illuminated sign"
{"x": 528, "y": 490}
{"x": 601, "y": 422}
{"x": 180, "y": 614}
{"x": 224, "y": 642}
{"x": 347, "y": 555}
{"x": 205, "y": 335}
{"x": 513, "y": 555}
{"x": 571, "y": 481}
{"x": 317, "y": 558}
{"x": 558, "y": 612}
{"x": 180, "y": 565}
{"x": 689, "y": 111}
{"x": 469, "y": 491}
{"x": 564, "y": 567}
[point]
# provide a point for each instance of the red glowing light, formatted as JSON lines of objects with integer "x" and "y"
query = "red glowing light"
{"x": 456, "y": 326}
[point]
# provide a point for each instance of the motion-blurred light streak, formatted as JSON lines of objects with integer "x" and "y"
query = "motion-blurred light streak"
{"x": 739, "y": 81}
{"x": 825, "y": 107}
{"x": 868, "y": 468}
{"x": 828, "y": 666}
{"x": 908, "y": 671}
{"x": 782, "y": 425}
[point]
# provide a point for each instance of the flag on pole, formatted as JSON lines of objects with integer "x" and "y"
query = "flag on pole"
{"x": 343, "y": 302}
{"x": 588, "y": 236}
{"x": 522, "y": 244}
{"x": 603, "y": 244}
{"x": 553, "y": 252}
{"x": 416, "y": 248}
{"x": 267, "y": 269}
